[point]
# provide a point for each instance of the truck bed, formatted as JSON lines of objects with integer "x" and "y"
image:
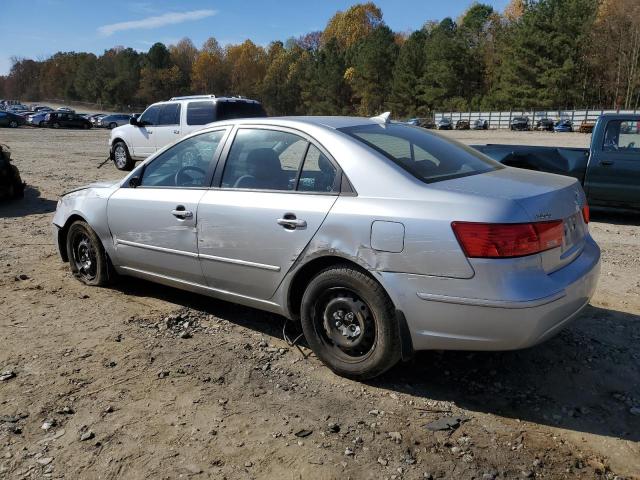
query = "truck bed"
{"x": 560, "y": 160}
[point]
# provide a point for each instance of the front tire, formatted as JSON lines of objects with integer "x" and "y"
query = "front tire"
{"x": 88, "y": 260}
{"x": 13, "y": 124}
{"x": 349, "y": 322}
{"x": 112, "y": 125}
{"x": 121, "y": 158}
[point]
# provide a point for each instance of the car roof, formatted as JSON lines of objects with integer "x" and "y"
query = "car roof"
{"x": 332, "y": 122}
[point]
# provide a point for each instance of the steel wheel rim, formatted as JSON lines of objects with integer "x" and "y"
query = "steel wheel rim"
{"x": 345, "y": 323}
{"x": 120, "y": 156}
{"x": 84, "y": 256}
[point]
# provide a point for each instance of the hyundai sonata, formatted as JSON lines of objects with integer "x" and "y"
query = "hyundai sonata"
{"x": 380, "y": 238}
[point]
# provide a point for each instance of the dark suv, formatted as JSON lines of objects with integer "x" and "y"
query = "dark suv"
{"x": 66, "y": 120}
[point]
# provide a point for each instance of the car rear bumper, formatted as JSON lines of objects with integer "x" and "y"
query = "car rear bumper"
{"x": 507, "y": 314}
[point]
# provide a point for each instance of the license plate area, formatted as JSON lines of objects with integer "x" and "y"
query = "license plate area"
{"x": 573, "y": 231}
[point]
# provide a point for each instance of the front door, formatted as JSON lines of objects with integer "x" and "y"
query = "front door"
{"x": 142, "y": 139}
{"x": 613, "y": 178}
{"x": 275, "y": 191}
{"x": 154, "y": 225}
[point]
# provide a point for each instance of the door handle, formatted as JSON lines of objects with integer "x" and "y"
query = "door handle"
{"x": 181, "y": 213}
{"x": 606, "y": 163}
{"x": 176, "y": 131}
{"x": 290, "y": 222}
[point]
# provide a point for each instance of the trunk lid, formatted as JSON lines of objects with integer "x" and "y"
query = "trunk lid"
{"x": 542, "y": 196}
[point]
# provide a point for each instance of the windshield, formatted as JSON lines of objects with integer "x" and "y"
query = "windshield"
{"x": 426, "y": 155}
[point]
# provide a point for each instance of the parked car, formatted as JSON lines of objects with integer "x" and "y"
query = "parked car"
{"x": 563, "y": 126}
{"x": 289, "y": 215}
{"x": 444, "y": 124}
{"x": 519, "y": 123}
{"x": 421, "y": 122}
{"x": 8, "y": 119}
{"x": 11, "y": 185}
{"x": 609, "y": 170}
{"x": 545, "y": 124}
{"x": 66, "y": 120}
{"x": 463, "y": 125}
{"x": 586, "y": 127}
{"x": 113, "y": 121}
{"x": 480, "y": 124}
{"x": 94, "y": 118}
{"x": 37, "y": 119}
{"x": 165, "y": 122}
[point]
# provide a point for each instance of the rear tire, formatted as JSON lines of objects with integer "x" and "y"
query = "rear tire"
{"x": 121, "y": 158}
{"x": 112, "y": 125}
{"x": 55, "y": 125}
{"x": 88, "y": 260}
{"x": 349, "y": 322}
{"x": 13, "y": 124}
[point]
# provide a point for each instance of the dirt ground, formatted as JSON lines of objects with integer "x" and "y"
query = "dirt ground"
{"x": 144, "y": 381}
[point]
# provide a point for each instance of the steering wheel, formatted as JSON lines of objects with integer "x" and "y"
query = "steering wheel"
{"x": 182, "y": 178}
{"x": 239, "y": 183}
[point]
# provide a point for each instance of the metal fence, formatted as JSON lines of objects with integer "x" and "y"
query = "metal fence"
{"x": 503, "y": 119}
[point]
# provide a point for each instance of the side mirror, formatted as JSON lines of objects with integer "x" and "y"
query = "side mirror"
{"x": 133, "y": 121}
{"x": 134, "y": 182}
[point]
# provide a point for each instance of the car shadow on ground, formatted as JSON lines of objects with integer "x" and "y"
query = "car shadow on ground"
{"x": 584, "y": 379}
{"x": 615, "y": 217}
{"x": 31, "y": 204}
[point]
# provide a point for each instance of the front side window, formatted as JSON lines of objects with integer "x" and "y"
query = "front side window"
{"x": 150, "y": 116}
{"x": 424, "y": 154}
{"x": 185, "y": 164}
{"x": 169, "y": 114}
{"x": 264, "y": 160}
{"x": 622, "y": 135}
{"x": 200, "y": 113}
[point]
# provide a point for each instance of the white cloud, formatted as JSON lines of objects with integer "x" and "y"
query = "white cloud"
{"x": 156, "y": 21}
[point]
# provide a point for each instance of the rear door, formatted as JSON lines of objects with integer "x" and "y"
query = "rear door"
{"x": 141, "y": 138}
{"x": 613, "y": 174}
{"x": 154, "y": 225}
{"x": 167, "y": 129}
{"x": 269, "y": 199}
{"x": 198, "y": 113}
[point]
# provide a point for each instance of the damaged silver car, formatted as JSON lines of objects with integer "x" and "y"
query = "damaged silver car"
{"x": 380, "y": 238}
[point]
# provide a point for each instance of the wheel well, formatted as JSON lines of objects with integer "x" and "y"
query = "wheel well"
{"x": 62, "y": 236}
{"x": 306, "y": 273}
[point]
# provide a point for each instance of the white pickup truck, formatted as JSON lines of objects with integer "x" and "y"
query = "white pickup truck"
{"x": 164, "y": 123}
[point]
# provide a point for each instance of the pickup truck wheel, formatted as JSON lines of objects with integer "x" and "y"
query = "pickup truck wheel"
{"x": 349, "y": 323}
{"x": 121, "y": 157}
{"x": 88, "y": 260}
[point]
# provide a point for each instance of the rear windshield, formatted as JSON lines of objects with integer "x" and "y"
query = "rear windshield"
{"x": 228, "y": 110}
{"x": 426, "y": 155}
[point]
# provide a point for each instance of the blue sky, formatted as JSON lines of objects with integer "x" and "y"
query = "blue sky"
{"x": 38, "y": 28}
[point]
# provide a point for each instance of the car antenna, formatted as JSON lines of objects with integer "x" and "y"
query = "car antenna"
{"x": 382, "y": 118}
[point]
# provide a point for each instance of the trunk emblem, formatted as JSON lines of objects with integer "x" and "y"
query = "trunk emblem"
{"x": 543, "y": 216}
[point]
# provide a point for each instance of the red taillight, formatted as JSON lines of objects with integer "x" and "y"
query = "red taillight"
{"x": 503, "y": 240}
{"x": 585, "y": 213}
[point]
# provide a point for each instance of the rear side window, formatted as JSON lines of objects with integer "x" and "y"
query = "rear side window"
{"x": 200, "y": 113}
{"x": 264, "y": 160}
{"x": 318, "y": 173}
{"x": 228, "y": 110}
{"x": 424, "y": 154}
{"x": 170, "y": 114}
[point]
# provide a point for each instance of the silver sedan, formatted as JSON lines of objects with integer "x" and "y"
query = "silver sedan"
{"x": 380, "y": 238}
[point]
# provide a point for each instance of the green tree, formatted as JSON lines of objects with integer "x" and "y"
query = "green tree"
{"x": 371, "y": 70}
{"x": 408, "y": 71}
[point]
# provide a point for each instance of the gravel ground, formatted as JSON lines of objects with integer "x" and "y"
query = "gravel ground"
{"x": 144, "y": 381}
